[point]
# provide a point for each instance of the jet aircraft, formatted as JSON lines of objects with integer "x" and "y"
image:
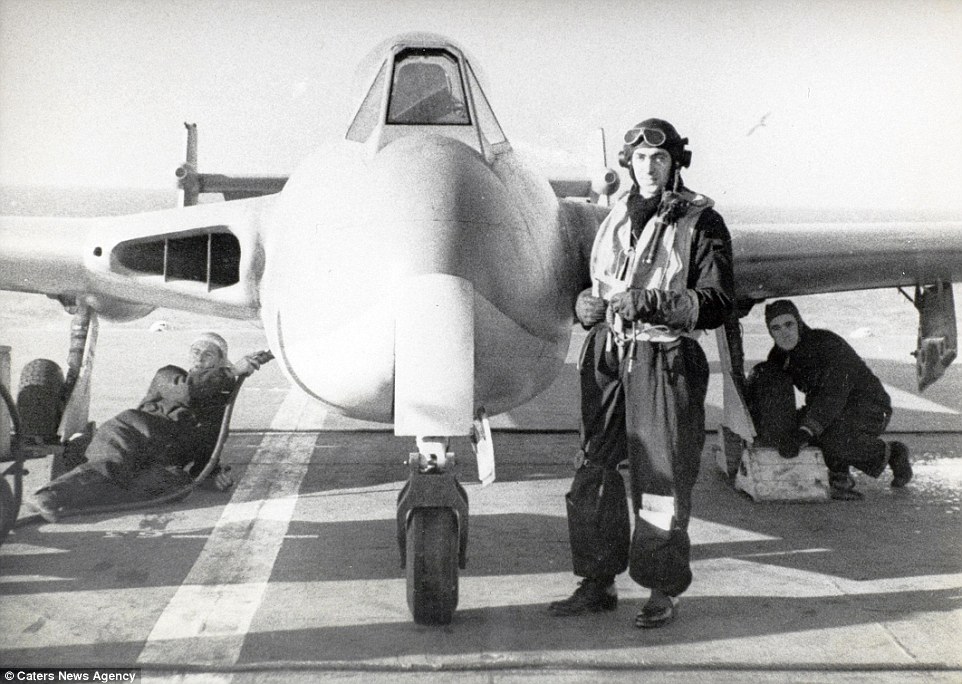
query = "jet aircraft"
{"x": 418, "y": 272}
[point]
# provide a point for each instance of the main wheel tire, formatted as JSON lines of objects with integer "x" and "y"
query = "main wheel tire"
{"x": 39, "y": 399}
{"x": 8, "y": 509}
{"x": 432, "y": 565}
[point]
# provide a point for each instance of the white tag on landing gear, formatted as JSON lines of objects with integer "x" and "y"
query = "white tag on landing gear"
{"x": 483, "y": 447}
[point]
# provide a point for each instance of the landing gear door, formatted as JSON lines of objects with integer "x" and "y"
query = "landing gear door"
{"x": 938, "y": 342}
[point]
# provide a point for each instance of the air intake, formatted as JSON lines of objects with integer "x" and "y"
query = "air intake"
{"x": 210, "y": 256}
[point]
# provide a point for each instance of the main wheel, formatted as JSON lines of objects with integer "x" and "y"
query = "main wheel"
{"x": 432, "y": 565}
{"x": 39, "y": 400}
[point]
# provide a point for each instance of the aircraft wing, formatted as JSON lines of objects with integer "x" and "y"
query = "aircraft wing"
{"x": 205, "y": 258}
{"x": 239, "y": 187}
{"x": 789, "y": 260}
{"x": 599, "y": 188}
{"x": 193, "y": 183}
{"x": 571, "y": 187}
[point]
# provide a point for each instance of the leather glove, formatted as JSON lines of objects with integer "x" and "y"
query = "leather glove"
{"x": 634, "y": 304}
{"x": 794, "y": 444}
{"x": 590, "y": 309}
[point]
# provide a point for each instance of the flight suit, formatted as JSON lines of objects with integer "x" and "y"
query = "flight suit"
{"x": 646, "y": 405}
{"x": 142, "y": 453}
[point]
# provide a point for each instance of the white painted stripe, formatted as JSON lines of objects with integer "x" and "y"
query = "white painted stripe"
{"x": 298, "y": 411}
{"x": 16, "y": 549}
{"x": 726, "y": 577}
{"x": 18, "y": 579}
{"x": 209, "y": 615}
{"x": 913, "y": 402}
{"x": 793, "y": 552}
{"x": 381, "y": 603}
{"x": 900, "y": 398}
{"x": 289, "y": 413}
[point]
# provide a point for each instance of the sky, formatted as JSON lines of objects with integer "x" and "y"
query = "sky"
{"x": 860, "y": 103}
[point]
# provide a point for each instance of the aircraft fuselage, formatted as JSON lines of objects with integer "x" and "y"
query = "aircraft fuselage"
{"x": 353, "y": 227}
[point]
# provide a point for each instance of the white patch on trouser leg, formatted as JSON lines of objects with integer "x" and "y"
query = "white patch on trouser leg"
{"x": 657, "y": 510}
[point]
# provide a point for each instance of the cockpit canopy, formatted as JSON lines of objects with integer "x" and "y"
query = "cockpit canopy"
{"x": 424, "y": 83}
{"x": 427, "y": 90}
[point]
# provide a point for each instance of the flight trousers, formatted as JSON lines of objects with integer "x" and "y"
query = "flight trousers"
{"x": 651, "y": 412}
{"x": 853, "y": 439}
{"x": 134, "y": 456}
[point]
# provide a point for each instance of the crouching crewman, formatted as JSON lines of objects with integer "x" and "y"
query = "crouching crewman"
{"x": 846, "y": 407}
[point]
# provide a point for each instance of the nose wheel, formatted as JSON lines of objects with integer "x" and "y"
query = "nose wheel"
{"x": 432, "y": 565}
{"x": 432, "y": 521}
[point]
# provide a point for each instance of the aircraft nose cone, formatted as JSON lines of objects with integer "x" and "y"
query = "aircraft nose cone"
{"x": 438, "y": 205}
{"x": 422, "y": 205}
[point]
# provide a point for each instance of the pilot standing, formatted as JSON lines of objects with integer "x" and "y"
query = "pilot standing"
{"x": 661, "y": 268}
{"x": 141, "y": 453}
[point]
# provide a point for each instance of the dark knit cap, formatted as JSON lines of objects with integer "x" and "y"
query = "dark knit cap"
{"x": 781, "y": 307}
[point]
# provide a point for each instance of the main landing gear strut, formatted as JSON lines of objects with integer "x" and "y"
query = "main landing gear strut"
{"x": 432, "y": 532}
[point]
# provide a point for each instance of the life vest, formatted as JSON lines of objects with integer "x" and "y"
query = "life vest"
{"x": 658, "y": 260}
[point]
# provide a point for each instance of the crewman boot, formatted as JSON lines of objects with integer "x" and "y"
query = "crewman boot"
{"x": 842, "y": 487}
{"x": 591, "y": 596}
{"x": 78, "y": 489}
{"x": 900, "y": 464}
{"x": 46, "y": 504}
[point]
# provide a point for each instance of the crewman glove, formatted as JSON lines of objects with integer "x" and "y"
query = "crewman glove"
{"x": 635, "y": 304}
{"x": 590, "y": 309}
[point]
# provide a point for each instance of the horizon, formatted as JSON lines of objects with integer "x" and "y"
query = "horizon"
{"x": 93, "y": 201}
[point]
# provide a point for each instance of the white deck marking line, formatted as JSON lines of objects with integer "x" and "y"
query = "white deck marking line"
{"x": 208, "y": 617}
{"x": 913, "y": 402}
{"x": 300, "y": 412}
{"x": 901, "y": 399}
{"x": 288, "y": 415}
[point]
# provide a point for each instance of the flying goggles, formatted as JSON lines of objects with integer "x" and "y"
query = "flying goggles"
{"x": 651, "y": 136}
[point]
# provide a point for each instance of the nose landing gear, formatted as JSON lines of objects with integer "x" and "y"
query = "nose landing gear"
{"x": 432, "y": 529}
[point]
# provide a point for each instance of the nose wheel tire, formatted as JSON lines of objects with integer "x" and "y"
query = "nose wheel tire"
{"x": 432, "y": 565}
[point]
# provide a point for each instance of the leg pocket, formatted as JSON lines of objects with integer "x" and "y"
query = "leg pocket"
{"x": 598, "y": 523}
